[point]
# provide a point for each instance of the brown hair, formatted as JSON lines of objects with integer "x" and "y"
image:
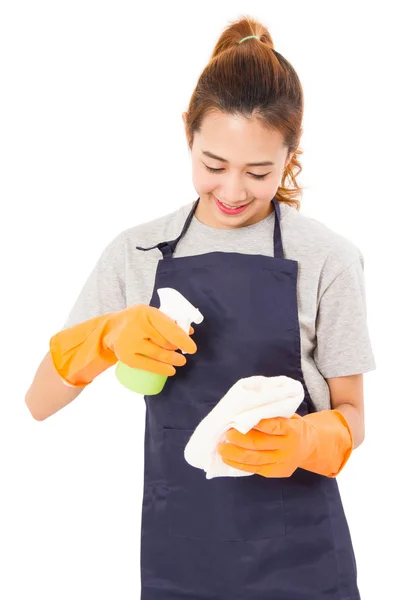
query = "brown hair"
{"x": 252, "y": 79}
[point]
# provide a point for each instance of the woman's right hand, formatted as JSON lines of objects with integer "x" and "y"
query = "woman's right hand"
{"x": 140, "y": 336}
{"x": 143, "y": 337}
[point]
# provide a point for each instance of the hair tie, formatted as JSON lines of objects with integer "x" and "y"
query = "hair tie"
{"x": 248, "y": 37}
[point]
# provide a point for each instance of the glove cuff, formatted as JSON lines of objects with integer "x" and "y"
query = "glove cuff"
{"x": 78, "y": 353}
{"x": 333, "y": 443}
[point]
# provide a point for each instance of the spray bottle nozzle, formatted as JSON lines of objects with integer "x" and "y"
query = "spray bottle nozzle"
{"x": 177, "y": 307}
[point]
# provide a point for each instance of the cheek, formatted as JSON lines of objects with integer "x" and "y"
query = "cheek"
{"x": 203, "y": 181}
{"x": 267, "y": 189}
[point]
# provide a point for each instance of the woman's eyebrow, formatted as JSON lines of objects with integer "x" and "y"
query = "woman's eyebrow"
{"x": 256, "y": 164}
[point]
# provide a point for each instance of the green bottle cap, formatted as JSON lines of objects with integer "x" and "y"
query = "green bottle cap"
{"x": 140, "y": 381}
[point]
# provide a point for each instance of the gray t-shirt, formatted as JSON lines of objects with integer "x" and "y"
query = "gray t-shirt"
{"x": 330, "y": 291}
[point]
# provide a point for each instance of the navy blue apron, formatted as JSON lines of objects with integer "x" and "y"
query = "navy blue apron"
{"x": 252, "y": 537}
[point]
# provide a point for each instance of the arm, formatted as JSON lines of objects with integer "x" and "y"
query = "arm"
{"x": 347, "y": 396}
{"x": 103, "y": 291}
{"x": 48, "y": 393}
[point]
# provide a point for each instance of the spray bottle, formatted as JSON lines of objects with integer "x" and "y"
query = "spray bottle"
{"x": 175, "y": 306}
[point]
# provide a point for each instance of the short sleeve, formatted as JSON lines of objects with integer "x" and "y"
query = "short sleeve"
{"x": 105, "y": 289}
{"x": 343, "y": 345}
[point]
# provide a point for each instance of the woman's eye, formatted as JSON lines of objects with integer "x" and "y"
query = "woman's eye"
{"x": 252, "y": 174}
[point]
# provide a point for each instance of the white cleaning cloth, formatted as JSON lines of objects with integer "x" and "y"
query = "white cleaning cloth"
{"x": 247, "y": 402}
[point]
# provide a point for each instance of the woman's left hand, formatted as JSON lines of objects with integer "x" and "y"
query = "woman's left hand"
{"x": 275, "y": 447}
{"x": 321, "y": 442}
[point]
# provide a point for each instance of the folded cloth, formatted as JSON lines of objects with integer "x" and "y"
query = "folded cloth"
{"x": 247, "y": 402}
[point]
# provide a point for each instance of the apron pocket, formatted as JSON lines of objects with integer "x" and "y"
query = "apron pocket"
{"x": 222, "y": 508}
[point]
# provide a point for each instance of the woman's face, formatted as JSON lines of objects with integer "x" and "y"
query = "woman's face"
{"x": 239, "y": 141}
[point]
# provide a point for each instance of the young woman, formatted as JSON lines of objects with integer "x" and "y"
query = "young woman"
{"x": 281, "y": 294}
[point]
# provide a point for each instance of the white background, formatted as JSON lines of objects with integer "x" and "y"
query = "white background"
{"x": 92, "y": 142}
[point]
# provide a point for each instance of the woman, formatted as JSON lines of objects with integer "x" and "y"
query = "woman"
{"x": 281, "y": 294}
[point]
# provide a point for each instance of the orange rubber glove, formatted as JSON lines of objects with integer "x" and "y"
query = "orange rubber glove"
{"x": 140, "y": 336}
{"x": 320, "y": 442}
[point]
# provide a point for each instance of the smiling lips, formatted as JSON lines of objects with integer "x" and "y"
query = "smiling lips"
{"x": 230, "y": 210}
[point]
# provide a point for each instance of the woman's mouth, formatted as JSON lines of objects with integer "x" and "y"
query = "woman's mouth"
{"x": 228, "y": 209}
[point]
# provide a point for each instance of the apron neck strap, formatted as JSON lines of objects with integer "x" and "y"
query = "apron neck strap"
{"x": 278, "y": 248}
{"x": 168, "y": 248}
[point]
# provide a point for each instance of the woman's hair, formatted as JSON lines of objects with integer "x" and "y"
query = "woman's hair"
{"x": 251, "y": 79}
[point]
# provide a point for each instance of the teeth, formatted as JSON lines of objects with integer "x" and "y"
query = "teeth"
{"x": 229, "y": 206}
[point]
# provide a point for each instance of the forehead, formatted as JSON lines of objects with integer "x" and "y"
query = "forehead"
{"x": 238, "y": 139}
